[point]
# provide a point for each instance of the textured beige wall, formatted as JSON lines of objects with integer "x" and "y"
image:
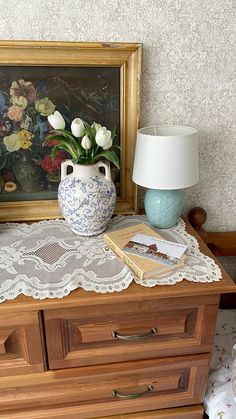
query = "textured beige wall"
{"x": 187, "y": 77}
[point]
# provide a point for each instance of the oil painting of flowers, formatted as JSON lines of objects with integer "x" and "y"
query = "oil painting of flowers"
{"x": 28, "y": 99}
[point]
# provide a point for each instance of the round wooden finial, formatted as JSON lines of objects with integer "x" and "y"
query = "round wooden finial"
{"x": 197, "y": 217}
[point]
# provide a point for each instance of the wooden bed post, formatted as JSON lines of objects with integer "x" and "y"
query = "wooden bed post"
{"x": 221, "y": 243}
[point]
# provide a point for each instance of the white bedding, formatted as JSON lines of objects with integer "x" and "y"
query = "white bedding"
{"x": 220, "y": 402}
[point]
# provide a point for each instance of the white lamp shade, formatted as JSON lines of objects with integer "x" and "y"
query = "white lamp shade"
{"x": 166, "y": 157}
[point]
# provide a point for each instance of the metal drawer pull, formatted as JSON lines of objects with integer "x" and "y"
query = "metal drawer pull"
{"x": 116, "y": 393}
{"x": 152, "y": 332}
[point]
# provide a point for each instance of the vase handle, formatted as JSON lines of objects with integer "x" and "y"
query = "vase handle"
{"x": 107, "y": 169}
{"x": 64, "y": 166}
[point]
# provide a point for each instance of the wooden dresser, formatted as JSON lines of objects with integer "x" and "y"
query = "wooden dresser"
{"x": 141, "y": 353}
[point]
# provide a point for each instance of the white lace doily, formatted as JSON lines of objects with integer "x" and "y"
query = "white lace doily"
{"x": 46, "y": 260}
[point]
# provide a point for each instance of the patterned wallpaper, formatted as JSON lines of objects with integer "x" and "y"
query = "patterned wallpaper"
{"x": 187, "y": 72}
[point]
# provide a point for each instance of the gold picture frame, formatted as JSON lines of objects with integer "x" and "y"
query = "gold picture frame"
{"x": 124, "y": 56}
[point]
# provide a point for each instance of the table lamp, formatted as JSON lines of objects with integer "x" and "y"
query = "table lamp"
{"x": 166, "y": 161}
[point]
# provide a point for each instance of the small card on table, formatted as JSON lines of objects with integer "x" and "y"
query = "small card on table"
{"x": 157, "y": 250}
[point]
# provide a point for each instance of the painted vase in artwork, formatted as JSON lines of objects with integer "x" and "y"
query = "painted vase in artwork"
{"x": 87, "y": 197}
{"x": 28, "y": 174}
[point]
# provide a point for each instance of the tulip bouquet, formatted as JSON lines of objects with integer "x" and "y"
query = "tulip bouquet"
{"x": 86, "y": 144}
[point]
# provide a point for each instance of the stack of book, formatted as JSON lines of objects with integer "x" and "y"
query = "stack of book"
{"x": 145, "y": 251}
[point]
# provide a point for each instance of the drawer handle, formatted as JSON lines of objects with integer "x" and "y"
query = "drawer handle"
{"x": 117, "y": 335}
{"x": 116, "y": 393}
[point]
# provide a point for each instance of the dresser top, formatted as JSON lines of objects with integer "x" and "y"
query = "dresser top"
{"x": 135, "y": 292}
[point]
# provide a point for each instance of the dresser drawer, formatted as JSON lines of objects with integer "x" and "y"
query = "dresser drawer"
{"x": 20, "y": 344}
{"x": 74, "y": 412}
{"x": 112, "y": 389}
{"x": 124, "y": 332}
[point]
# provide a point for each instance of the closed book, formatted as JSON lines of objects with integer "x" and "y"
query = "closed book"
{"x": 144, "y": 268}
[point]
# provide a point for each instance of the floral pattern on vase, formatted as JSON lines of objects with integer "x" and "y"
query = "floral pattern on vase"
{"x": 87, "y": 197}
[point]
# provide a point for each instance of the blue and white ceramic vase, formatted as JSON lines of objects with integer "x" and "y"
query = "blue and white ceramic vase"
{"x": 87, "y": 197}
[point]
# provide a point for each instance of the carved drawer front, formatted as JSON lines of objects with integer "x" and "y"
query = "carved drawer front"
{"x": 20, "y": 344}
{"x": 117, "y": 388}
{"x": 117, "y": 333}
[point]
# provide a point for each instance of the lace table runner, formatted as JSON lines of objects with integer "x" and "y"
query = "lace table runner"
{"x": 46, "y": 260}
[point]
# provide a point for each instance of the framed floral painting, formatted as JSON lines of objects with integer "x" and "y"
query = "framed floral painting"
{"x": 92, "y": 81}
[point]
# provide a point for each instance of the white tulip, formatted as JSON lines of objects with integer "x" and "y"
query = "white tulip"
{"x": 108, "y": 145}
{"x": 77, "y": 127}
{"x": 86, "y": 142}
{"x": 56, "y": 120}
{"x": 103, "y": 137}
{"x": 96, "y": 126}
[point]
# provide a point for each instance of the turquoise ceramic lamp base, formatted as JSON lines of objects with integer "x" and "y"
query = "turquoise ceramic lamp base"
{"x": 163, "y": 207}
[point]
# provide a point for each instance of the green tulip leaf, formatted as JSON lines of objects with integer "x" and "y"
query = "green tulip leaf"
{"x": 109, "y": 155}
{"x": 113, "y": 133}
{"x": 68, "y": 144}
{"x": 90, "y": 132}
